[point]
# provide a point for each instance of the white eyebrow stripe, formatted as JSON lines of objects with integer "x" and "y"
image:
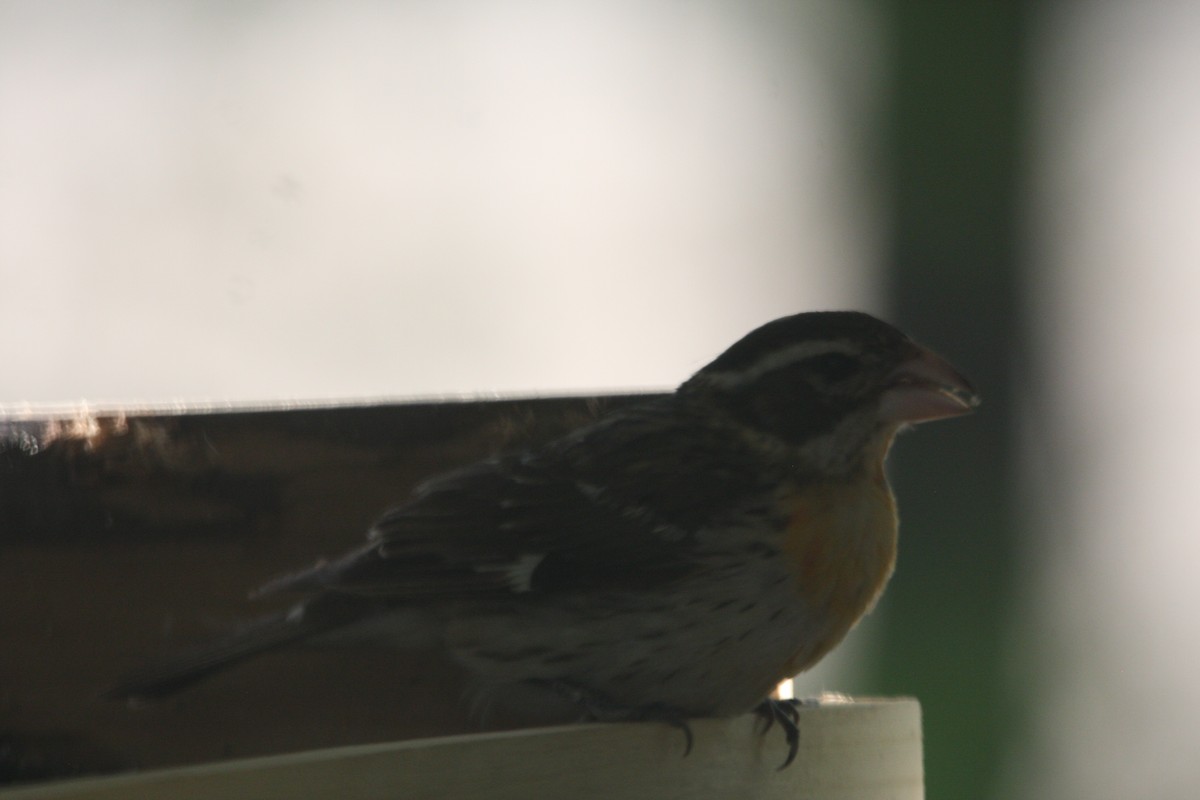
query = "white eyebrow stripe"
{"x": 779, "y": 358}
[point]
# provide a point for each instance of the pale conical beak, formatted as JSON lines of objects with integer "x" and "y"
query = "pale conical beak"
{"x": 924, "y": 387}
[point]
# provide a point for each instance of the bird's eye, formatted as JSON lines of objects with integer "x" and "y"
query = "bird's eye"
{"x": 833, "y": 366}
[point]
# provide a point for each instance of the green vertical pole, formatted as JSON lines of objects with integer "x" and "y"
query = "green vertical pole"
{"x": 954, "y": 155}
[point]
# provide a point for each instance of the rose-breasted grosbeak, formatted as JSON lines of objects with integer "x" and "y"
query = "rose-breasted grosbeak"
{"x": 676, "y": 558}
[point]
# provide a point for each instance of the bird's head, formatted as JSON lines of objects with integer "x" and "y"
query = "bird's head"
{"x": 831, "y": 387}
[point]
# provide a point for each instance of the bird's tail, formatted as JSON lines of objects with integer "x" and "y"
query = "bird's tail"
{"x": 165, "y": 678}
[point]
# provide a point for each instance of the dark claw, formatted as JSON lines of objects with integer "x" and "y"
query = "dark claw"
{"x": 682, "y": 725}
{"x": 599, "y": 708}
{"x": 787, "y": 714}
{"x": 791, "y": 732}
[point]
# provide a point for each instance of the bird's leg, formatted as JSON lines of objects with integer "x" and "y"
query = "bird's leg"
{"x": 771, "y": 708}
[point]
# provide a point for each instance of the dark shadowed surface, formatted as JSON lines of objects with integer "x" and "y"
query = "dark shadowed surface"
{"x": 125, "y": 536}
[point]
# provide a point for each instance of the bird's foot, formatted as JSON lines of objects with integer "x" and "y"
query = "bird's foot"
{"x": 787, "y": 714}
{"x": 599, "y": 707}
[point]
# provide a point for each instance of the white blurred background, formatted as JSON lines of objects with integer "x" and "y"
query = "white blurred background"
{"x": 271, "y": 201}
{"x": 1109, "y": 632}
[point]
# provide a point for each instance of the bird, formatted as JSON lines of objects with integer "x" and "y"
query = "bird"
{"x": 674, "y": 559}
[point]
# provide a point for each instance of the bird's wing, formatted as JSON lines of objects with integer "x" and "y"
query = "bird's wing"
{"x": 616, "y": 505}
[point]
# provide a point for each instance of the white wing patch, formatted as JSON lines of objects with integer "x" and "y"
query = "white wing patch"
{"x": 518, "y": 574}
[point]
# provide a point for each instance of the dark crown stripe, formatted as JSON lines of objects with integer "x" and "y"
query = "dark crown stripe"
{"x": 788, "y": 331}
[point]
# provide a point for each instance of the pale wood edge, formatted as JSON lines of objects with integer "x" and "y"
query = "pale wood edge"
{"x": 864, "y": 748}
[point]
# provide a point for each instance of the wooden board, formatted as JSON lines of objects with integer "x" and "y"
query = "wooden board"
{"x": 865, "y": 750}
